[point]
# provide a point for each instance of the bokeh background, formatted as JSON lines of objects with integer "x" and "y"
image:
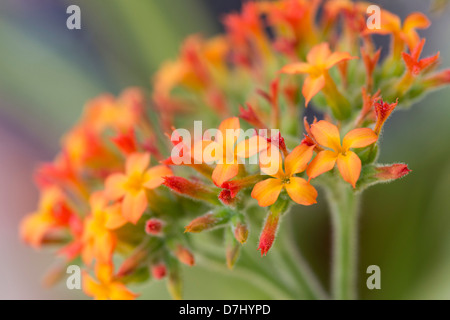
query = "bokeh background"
{"x": 48, "y": 72}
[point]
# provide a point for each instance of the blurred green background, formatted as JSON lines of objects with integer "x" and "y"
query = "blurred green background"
{"x": 48, "y": 72}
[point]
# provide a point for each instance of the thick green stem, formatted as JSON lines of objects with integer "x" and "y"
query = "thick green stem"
{"x": 344, "y": 205}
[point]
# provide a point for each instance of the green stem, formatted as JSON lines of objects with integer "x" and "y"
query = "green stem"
{"x": 344, "y": 205}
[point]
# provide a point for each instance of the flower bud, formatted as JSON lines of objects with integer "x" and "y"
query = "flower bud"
{"x": 159, "y": 271}
{"x": 154, "y": 227}
{"x": 382, "y": 111}
{"x": 392, "y": 172}
{"x": 232, "y": 249}
{"x": 184, "y": 255}
{"x": 208, "y": 221}
{"x": 268, "y": 234}
{"x": 241, "y": 233}
{"x": 191, "y": 189}
{"x": 132, "y": 263}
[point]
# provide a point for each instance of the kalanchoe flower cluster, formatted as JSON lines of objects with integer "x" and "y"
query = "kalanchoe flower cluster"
{"x": 116, "y": 199}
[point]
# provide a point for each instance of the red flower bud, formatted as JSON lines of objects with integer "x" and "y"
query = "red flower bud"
{"x": 268, "y": 234}
{"x": 154, "y": 226}
{"x": 159, "y": 271}
{"x": 202, "y": 223}
{"x": 392, "y": 172}
{"x": 438, "y": 79}
{"x": 191, "y": 189}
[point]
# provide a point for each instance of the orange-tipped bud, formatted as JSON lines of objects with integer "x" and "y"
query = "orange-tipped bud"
{"x": 250, "y": 116}
{"x": 268, "y": 234}
{"x": 208, "y": 221}
{"x": 159, "y": 271}
{"x": 190, "y": 189}
{"x": 154, "y": 227}
{"x": 241, "y": 233}
{"x": 392, "y": 172}
{"x": 184, "y": 256}
{"x": 382, "y": 111}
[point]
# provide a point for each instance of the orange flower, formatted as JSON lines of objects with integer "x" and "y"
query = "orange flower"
{"x": 349, "y": 164}
{"x": 413, "y": 62}
{"x": 53, "y": 212}
{"x": 319, "y": 60}
{"x": 132, "y": 186}
{"x": 98, "y": 238}
{"x": 267, "y": 191}
{"x": 106, "y": 288}
{"x": 406, "y": 33}
{"x": 222, "y": 150}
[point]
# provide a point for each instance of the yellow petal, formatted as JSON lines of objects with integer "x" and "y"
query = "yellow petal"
{"x": 359, "y": 138}
{"x": 267, "y": 191}
{"x": 416, "y": 20}
{"x": 350, "y": 167}
{"x": 114, "y": 217}
{"x": 104, "y": 272}
{"x": 133, "y": 206}
{"x": 92, "y": 288}
{"x": 312, "y": 86}
{"x": 301, "y": 191}
{"x": 271, "y": 162}
{"x": 154, "y": 176}
{"x": 326, "y": 134}
{"x": 318, "y": 54}
{"x": 337, "y": 57}
{"x": 137, "y": 162}
{"x": 104, "y": 246}
{"x": 115, "y": 186}
{"x": 298, "y": 159}
{"x": 118, "y": 291}
{"x": 323, "y": 162}
{"x": 296, "y": 68}
{"x": 224, "y": 172}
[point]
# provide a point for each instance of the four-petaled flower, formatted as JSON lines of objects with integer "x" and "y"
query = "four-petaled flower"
{"x": 319, "y": 60}
{"x": 132, "y": 185}
{"x": 327, "y": 135}
{"x": 267, "y": 191}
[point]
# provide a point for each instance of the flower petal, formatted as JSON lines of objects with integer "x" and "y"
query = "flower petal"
{"x": 323, "y": 162}
{"x": 228, "y": 128}
{"x": 359, "y": 138}
{"x": 206, "y": 151}
{"x": 118, "y": 291}
{"x": 224, "y": 172}
{"x": 134, "y": 205}
{"x": 296, "y": 68}
{"x": 154, "y": 176}
{"x": 301, "y": 191}
{"x": 350, "y": 167}
{"x": 298, "y": 159}
{"x": 318, "y": 54}
{"x": 114, "y": 217}
{"x": 115, "y": 186}
{"x": 337, "y": 57}
{"x": 326, "y": 134}
{"x": 267, "y": 191}
{"x": 137, "y": 162}
{"x": 250, "y": 147}
{"x": 92, "y": 288}
{"x": 312, "y": 86}
{"x": 271, "y": 162}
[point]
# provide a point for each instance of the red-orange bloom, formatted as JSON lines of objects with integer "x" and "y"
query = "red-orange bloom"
{"x": 349, "y": 164}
